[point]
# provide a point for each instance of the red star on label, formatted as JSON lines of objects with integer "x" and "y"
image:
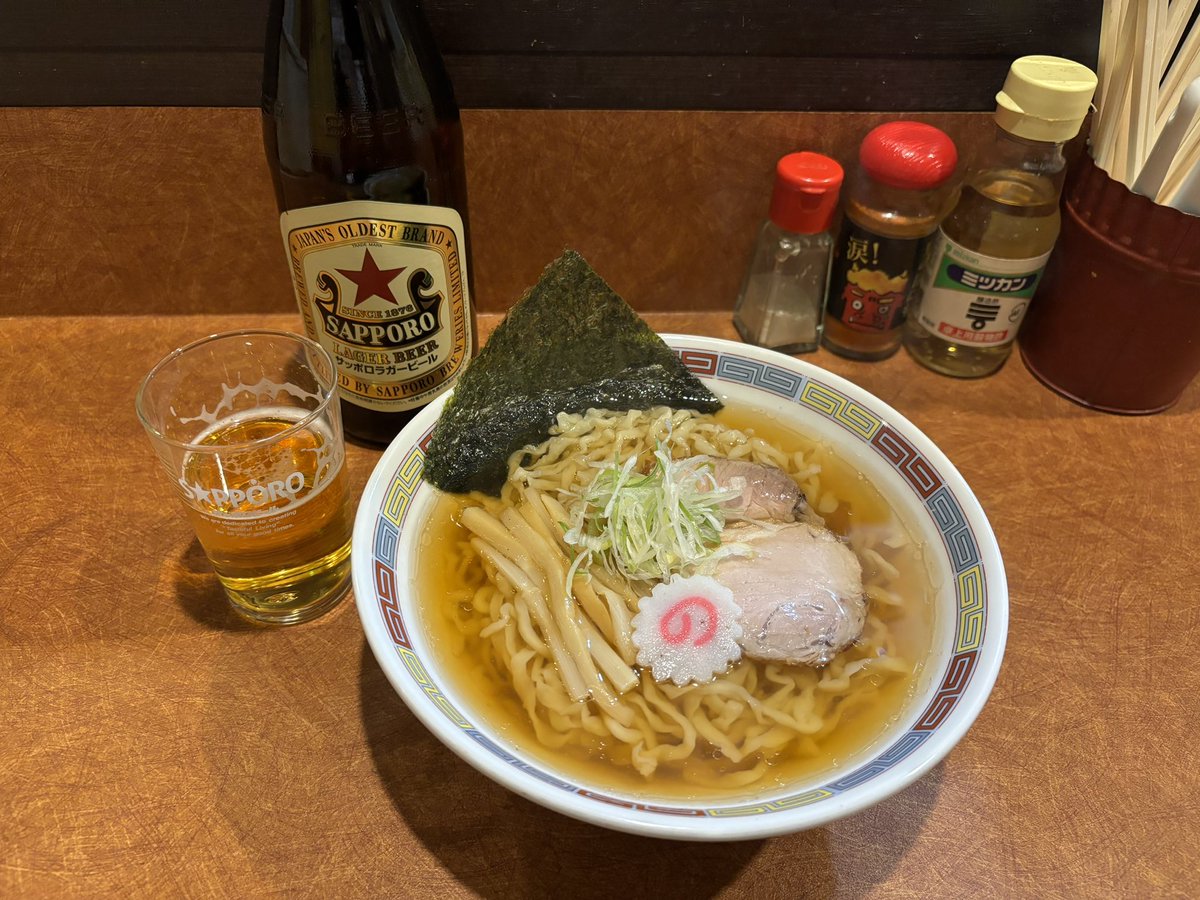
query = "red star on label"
{"x": 372, "y": 281}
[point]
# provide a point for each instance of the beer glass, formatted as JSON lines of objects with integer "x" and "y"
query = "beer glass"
{"x": 248, "y": 428}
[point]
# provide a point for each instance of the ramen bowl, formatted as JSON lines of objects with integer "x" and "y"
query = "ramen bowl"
{"x": 969, "y": 598}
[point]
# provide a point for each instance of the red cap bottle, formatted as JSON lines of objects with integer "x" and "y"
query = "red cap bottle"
{"x": 783, "y": 294}
{"x": 911, "y": 156}
{"x": 894, "y": 203}
{"x": 806, "y": 192}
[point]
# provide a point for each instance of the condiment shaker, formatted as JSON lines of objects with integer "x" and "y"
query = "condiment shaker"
{"x": 783, "y": 295}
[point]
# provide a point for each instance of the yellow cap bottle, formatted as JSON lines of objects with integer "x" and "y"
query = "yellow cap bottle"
{"x": 986, "y": 261}
{"x": 1045, "y": 98}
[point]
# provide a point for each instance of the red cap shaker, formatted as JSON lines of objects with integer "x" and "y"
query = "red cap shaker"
{"x": 783, "y": 294}
{"x": 806, "y": 192}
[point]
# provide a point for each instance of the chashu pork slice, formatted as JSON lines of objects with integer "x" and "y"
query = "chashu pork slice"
{"x": 800, "y": 591}
{"x": 764, "y": 492}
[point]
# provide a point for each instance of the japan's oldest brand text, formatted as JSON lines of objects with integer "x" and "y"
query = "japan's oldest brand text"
{"x": 384, "y": 288}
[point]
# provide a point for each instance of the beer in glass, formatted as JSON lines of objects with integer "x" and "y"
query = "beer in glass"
{"x": 248, "y": 428}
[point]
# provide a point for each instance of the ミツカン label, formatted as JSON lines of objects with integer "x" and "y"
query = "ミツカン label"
{"x": 971, "y": 298}
{"x": 383, "y": 287}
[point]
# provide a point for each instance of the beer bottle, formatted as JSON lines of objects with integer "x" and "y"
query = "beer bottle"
{"x": 364, "y": 145}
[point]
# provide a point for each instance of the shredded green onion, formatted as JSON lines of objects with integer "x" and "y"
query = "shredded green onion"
{"x": 649, "y": 526}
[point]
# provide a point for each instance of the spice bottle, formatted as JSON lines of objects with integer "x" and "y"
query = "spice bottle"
{"x": 989, "y": 253}
{"x": 784, "y": 290}
{"x": 894, "y": 204}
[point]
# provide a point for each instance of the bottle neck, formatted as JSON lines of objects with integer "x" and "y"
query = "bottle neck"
{"x": 1009, "y": 153}
{"x": 344, "y": 33}
{"x": 357, "y": 105}
{"x": 895, "y": 212}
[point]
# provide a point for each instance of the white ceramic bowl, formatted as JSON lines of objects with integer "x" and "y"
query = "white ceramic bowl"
{"x": 971, "y": 607}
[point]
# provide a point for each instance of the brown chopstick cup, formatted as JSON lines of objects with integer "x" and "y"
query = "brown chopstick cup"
{"x": 1115, "y": 325}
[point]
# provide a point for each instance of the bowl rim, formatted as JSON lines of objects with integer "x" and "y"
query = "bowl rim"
{"x": 650, "y": 818}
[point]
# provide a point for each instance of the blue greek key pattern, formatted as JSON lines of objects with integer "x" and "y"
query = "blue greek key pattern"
{"x": 496, "y": 750}
{"x": 956, "y": 532}
{"x": 385, "y": 542}
{"x": 898, "y": 751}
{"x": 760, "y": 375}
{"x": 946, "y": 512}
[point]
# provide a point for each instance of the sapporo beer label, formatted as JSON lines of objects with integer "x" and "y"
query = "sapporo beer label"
{"x": 871, "y": 278}
{"x": 972, "y": 298}
{"x": 383, "y": 287}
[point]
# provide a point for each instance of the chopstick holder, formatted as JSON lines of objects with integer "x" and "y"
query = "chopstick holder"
{"x": 1115, "y": 325}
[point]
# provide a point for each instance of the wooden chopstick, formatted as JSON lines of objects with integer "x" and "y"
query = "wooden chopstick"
{"x": 1111, "y": 123}
{"x": 1144, "y": 93}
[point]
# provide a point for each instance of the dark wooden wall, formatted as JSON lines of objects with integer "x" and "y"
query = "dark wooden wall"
{"x": 589, "y": 54}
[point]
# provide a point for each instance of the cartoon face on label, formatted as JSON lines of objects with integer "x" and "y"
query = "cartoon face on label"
{"x": 872, "y": 299}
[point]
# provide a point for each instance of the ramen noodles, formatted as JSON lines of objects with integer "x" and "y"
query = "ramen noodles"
{"x": 538, "y": 636}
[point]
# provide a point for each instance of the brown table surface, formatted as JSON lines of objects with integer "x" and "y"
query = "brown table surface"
{"x": 154, "y": 744}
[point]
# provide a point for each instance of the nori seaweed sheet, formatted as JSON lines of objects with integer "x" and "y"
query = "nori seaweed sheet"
{"x": 569, "y": 344}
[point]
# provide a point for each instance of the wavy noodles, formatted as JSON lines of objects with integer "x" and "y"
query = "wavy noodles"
{"x": 567, "y": 659}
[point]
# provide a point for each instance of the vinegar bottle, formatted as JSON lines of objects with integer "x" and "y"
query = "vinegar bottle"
{"x": 987, "y": 258}
{"x": 362, "y": 137}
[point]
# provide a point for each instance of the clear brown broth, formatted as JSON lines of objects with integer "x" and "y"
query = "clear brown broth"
{"x": 863, "y": 727}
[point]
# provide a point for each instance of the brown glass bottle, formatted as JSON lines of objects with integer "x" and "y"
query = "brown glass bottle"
{"x": 363, "y": 140}
{"x": 894, "y": 203}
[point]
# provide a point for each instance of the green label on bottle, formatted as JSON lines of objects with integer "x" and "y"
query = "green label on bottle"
{"x": 972, "y": 298}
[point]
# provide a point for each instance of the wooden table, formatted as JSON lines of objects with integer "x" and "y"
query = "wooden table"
{"x": 154, "y": 744}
